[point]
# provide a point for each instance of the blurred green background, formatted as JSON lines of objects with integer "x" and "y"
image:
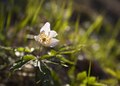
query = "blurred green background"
{"x": 88, "y": 53}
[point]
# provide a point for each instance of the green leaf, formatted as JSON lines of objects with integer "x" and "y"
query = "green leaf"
{"x": 17, "y": 65}
{"x": 112, "y": 72}
{"x": 91, "y": 80}
{"x": 20, "y": 49}
{"x": 64, "y": 59}
{"x": 52, "y": 53}
{"x": 26, "y": 49}
{"x": 96, "y": 25}
{"x": 44, "y": 78}
{"x": 68, "y": 52}
{"x": 81, "y": 75}
{"x": 99, "y": 84}
{"x": 45, "y": 57}
{"x": 28, "y": 57}
{"x": 65, "y": 48}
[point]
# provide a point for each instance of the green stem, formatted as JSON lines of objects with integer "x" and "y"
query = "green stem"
{"x": 89, "y": 70}
{"x": 6, "y": 48}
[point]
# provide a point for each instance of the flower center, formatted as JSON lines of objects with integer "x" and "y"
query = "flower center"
{"x": 44, "y": 39}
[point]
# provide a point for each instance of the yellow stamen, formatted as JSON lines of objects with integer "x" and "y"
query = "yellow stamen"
{"x": 44, "y": 39}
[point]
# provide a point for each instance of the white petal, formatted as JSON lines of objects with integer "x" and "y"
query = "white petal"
{"x": 46, "y": 28}
{"x": 53, "y": 42}
{"x": 37, "y": 38}
{"x": 52, "y": 34}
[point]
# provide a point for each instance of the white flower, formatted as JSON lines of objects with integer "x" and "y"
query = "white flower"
{"x": 46, "y": 36}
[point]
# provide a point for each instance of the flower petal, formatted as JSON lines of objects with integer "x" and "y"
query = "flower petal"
{"x": 53, "y": 42}
{"x": 52, "y": 34}
{"x": 36, "y": 38}
{"x": 45, "y": 28}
